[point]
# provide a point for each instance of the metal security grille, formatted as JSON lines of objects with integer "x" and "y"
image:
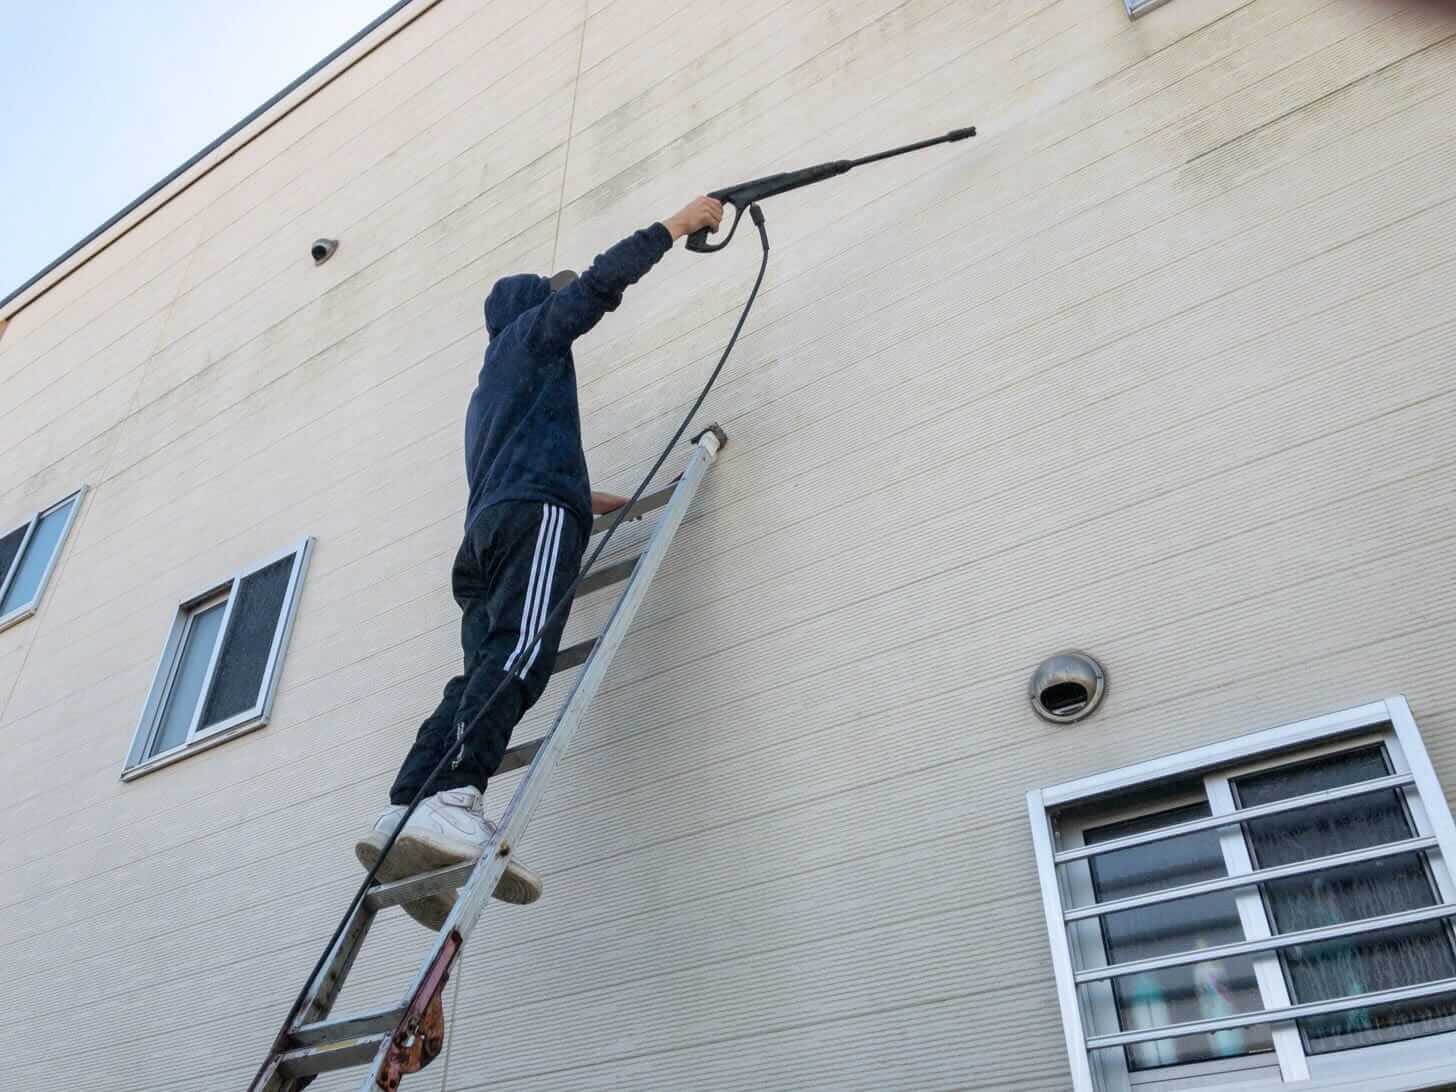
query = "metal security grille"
{"x": 1325, "y": 927}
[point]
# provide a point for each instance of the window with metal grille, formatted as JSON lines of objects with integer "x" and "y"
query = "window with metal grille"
{"x": 219, "y": 669}
{"x": 28, "y": 553}
{"x": 1274, "y": 909}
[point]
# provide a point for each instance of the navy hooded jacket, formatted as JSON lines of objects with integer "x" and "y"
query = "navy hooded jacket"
{"x": 523, "y": 427}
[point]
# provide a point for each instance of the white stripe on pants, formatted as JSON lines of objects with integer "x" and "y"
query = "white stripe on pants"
{"x": 538, "y": 586}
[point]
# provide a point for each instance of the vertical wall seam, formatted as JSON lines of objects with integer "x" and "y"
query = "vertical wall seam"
{"x": 570, "y": 126}
{"x": 454, "y": 1013}
{"x": 135, "y": 404}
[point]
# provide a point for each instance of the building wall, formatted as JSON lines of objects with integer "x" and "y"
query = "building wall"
{"x": 1158, "y": 366}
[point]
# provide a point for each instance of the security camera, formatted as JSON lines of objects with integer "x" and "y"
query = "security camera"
{"x": 322, "y": 250}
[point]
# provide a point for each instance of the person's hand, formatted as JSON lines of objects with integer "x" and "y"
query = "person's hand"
{"x": 602, "y": 503}
{"x": 701, "y": 212}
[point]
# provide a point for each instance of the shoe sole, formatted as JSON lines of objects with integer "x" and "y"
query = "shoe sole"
{"x": 411, "y": 855}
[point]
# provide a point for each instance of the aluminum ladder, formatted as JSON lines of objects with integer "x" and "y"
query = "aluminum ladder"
{"x": 406, "y": 1036}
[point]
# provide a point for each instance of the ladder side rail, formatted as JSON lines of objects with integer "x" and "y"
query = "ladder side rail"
{"x": 319, "y": 1002}
{"x": 325, "y": 990}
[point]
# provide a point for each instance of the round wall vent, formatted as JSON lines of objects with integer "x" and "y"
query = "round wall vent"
{"x": 1067, "y": 687}
{"x": 322, "y": 250}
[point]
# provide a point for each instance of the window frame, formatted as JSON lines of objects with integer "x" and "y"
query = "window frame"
{"x": 1410, "y": 1064}
{"x": 26, "y": 610}
{"x": 199, "y": 738}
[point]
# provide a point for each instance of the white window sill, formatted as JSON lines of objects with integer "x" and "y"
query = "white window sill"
{"x": 187, "y": 750}
{"x": 15, "y": 617}
{"x": 1427, "y": 1078}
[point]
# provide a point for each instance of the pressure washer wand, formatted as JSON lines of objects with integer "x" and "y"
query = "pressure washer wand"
{"x": 745, "y": 194}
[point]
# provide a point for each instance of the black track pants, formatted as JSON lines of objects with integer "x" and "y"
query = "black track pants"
{"x": 516, "y": 560}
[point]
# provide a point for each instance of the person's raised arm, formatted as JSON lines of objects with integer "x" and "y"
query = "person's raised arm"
{"x": 575, "y": 309}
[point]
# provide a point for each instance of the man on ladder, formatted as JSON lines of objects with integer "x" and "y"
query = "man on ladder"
{"x": 526, "y": 526}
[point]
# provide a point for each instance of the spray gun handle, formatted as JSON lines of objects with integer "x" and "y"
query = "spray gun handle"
{"x": 698, "y": 240}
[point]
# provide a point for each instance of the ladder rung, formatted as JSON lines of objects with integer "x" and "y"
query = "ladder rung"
{"x": 417, "y": 887}
{"x": 649, "y": 503}
{"x": 573, "y": 656}
{"x": 518, "y": 756}
{"x": 352, "y": 1026}
{"x": 312, "y": 1060}
{"x": 606, "y": 576}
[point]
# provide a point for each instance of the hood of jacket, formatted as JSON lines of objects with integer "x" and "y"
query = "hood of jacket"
{"x": 512, "y": 297}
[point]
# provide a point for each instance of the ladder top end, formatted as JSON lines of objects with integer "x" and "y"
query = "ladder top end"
{"x": 713, "y": 437}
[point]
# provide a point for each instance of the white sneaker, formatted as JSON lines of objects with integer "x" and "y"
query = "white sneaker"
{"x": 447, "y": 829}
{"x": 369, "y": 847}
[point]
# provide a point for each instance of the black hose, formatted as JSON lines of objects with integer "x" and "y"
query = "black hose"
{"x": 280, "y": 1043}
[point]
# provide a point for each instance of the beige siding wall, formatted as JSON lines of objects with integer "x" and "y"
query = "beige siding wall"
{"x": 1159, "y": 366}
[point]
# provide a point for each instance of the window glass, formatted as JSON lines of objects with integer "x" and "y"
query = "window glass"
{"x": 9, "y": 547}
{"x": 37, "y": 558}
{"x": 244, "y": 658}
{"x": 1353, "y": 965}
{"x": 187, "y": 681}
{"x": 1174, "y": 995}
{"x": 1353, "y": 823}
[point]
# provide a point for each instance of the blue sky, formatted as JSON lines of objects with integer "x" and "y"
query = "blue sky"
{"x": 100, "y": 99}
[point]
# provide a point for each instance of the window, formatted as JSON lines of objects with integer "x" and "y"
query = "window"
{"x": 28, "y": 554}
{"x": 1273, "y": 909}
{"x": 219, "y": 668}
